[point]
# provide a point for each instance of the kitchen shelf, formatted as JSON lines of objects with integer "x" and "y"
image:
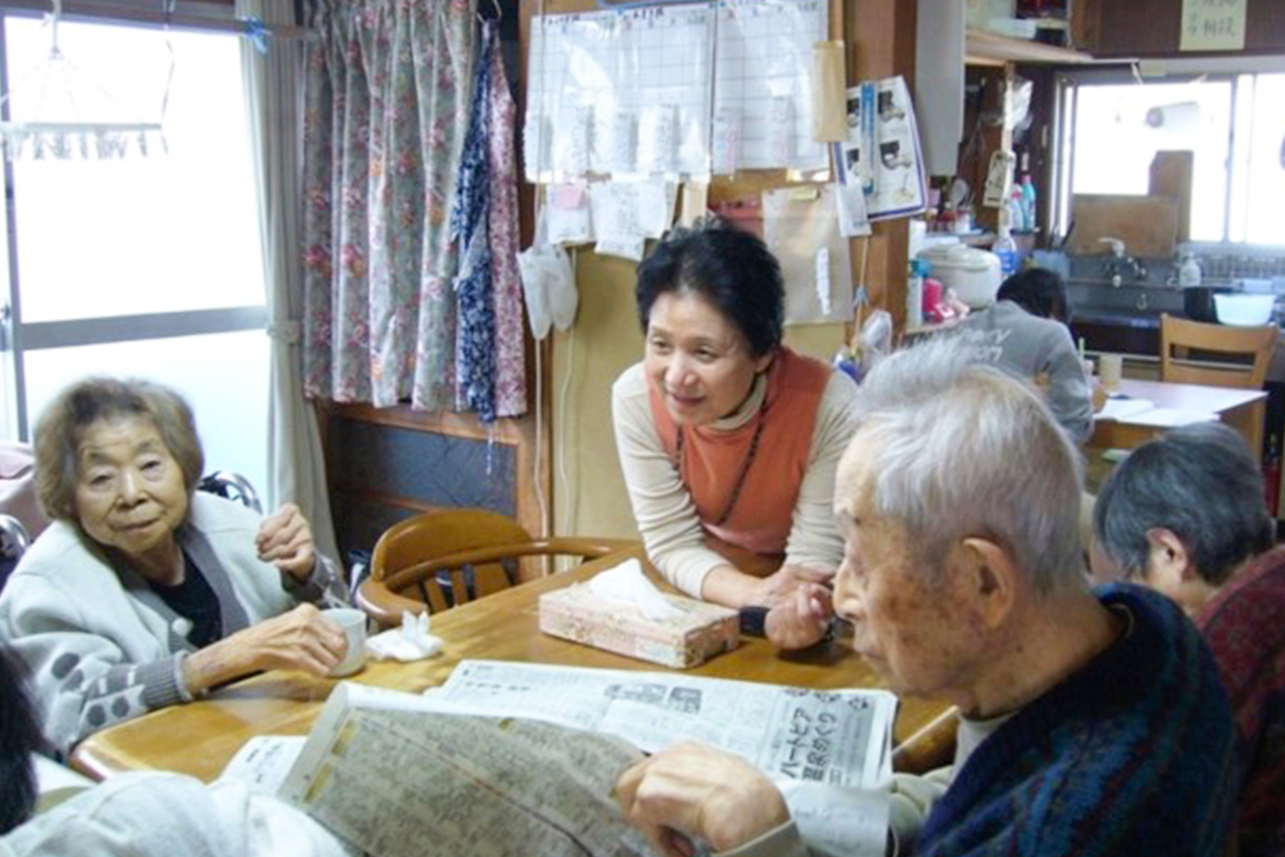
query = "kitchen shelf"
{"x": 982, "y": 48}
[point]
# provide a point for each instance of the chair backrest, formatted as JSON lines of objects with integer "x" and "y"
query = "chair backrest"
{"x": 14, "y": 541}
{"x": 1179, "y": 337}
{"x": 233, "y": 486}
{"x": 437, "y": 560}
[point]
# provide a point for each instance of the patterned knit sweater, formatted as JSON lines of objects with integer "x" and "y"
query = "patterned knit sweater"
{"x": 1244, "y": 626}
{"x": 1131, "y": 755}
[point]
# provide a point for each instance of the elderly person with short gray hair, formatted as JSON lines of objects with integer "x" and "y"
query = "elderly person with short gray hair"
{"x": 964, "y": 581}
{"x": 144, "y": 593}
{"x": 1184, "y": 514}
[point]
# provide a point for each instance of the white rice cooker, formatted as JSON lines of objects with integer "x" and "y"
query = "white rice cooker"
{"x": 973, "y": 274}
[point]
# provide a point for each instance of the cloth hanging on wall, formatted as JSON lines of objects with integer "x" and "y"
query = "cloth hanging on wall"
{"x": 475, "y": 336}
{"x": 506, "y": 285}
{"x": 386, "y": 104}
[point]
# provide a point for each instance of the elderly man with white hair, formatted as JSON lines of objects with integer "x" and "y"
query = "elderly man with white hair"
{"x": 1093, "y": 721}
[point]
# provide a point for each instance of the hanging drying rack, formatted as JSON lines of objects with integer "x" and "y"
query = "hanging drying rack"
{"x": 46, "y": 134}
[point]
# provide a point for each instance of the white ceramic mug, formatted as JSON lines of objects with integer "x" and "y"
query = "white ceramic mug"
{"x": 353, "y": 624}
{"x": 1111, "y": 367}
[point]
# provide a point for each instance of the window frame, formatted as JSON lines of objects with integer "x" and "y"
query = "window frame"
{"x": 1066, "y": 85}
{"x": 18, "y": 337}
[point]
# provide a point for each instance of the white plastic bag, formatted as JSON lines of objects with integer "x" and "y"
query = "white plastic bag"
{"x": 548, "y": 283}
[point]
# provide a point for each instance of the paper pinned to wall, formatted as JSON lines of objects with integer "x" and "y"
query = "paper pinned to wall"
{"x": 625, "y": 214}
{"x": 884, "y": 157}
{"x": 632, "y": 209}
{"x": 695, "y": 202}
{"x": 567, "y": 214}
{"x": 854, "y": 222}
{"x": 802, "y": 231}
{"x": 1218, "y": 26}
{"x": 625, "y": 248}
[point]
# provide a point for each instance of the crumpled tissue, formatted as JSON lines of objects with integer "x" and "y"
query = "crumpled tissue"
{"x": 626, "y": 583}
{"x": 410, "y": 642}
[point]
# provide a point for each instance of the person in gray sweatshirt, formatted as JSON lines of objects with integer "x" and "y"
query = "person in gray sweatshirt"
{"x": 1025, "y": 332}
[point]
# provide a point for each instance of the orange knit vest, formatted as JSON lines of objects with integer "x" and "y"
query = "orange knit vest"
{"x": 712, "y": 460}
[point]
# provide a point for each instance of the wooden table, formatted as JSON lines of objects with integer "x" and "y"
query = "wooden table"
{"x": 1241, "y": 409}
{"x": 200, "y": 738}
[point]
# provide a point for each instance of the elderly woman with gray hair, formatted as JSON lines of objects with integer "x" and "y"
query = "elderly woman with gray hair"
{"x": 144, "y": 593}
{"x": 1185, "y": 515}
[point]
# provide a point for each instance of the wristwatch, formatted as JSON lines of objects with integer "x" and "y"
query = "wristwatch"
{"x": 754, "y": 621}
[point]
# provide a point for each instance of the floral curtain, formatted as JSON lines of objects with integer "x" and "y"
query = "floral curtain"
{"x": 387, "y": 102}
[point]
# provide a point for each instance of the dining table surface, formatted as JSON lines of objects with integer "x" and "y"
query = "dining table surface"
{"x": 199, "y": 738}
{"x": 1242, "y": 409}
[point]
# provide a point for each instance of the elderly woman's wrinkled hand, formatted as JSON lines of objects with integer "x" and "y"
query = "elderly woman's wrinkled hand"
{"x": 801, "y": 619}
{"x": 691, "y": 791}
{"x": 302, "y": 639}
{"x": 285, "y": 539}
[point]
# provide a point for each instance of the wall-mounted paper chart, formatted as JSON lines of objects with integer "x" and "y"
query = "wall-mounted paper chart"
{"x": 674, "y": 90}
{"x": 619, "y": 93}
{"x": 763, "y": 75}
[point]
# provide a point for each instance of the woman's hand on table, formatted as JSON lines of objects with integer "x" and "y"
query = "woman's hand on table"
{"x": 285, "y": 540}
{"x": 691, "y": 791}
{"x": 781, "y": 584}
{"x": 301, "y": 639}
{"x": 801, "y": 619}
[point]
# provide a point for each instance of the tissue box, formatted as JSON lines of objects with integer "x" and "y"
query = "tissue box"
{"x": 698, "y": 633}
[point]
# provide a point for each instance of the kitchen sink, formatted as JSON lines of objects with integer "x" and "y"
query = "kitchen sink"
{"x": 1127, "y": 305}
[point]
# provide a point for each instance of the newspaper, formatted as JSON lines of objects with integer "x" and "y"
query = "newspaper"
{"x": 394, "y": 783}
{"x": 841, "y": 737}
{"x": 513, "y": 758}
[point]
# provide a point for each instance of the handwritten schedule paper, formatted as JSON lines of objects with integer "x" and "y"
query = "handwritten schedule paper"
{"x": 1213, "y": 25}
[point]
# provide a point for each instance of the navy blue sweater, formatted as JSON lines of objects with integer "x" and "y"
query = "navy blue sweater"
{"x": 1132, "y": 755}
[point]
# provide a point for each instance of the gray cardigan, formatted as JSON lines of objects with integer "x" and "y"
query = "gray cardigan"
{"x": 100, "y": 646}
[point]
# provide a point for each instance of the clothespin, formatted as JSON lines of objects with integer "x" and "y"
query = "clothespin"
{"x": 257, "y": 32}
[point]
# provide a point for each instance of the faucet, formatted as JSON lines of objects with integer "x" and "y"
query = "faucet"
{"x": 1119, "y": 261}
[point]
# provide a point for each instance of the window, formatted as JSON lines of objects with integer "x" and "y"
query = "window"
{"x": 140, "y": 266}
{"x": 1113, "y": 125}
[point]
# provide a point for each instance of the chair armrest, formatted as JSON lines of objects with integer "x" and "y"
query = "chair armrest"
{"x": 384, "y": 605}
{"x": 587, "y": 548}
{"x": 933, "y": 746}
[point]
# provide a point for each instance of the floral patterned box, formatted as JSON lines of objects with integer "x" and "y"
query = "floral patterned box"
{"x": 694, "y": 635}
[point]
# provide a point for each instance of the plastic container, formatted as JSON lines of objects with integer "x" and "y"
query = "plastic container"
{"x": 915, "y": 294}
{"x": 1017, "y": 211}
{"x": 1006, "y": 249}
{"x": 1029, "y": 204}
{"x": 1189, "y": 271}
{"x": 973, "y": 274}
{"x": 1244, "y": 310}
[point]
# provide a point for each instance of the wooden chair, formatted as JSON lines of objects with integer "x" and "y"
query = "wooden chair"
{"x": 933, "y": 746}
{"x": 1178, "y": 337}
{"x": 437, "y": 560}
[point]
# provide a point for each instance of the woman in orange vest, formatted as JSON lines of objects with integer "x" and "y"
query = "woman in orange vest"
{"x": 724, "y": 432}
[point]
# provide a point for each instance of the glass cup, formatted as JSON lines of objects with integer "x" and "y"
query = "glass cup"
{"x": 1111, "y": 367}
